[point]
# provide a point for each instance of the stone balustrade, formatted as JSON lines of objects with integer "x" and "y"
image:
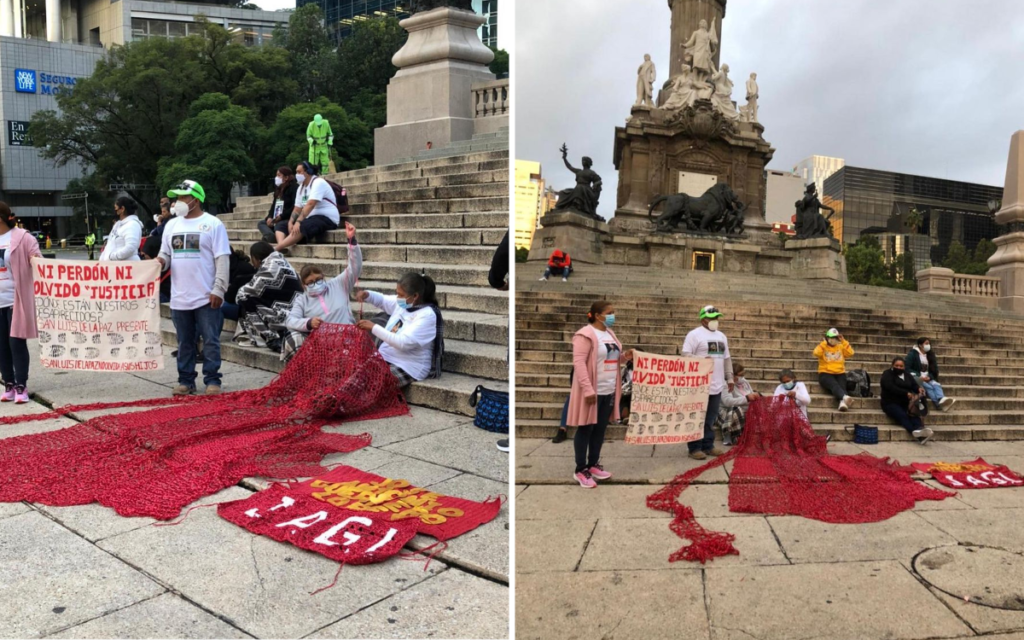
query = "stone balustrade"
{"x": 491, "y": 98}
{"x": 984, "y": 289}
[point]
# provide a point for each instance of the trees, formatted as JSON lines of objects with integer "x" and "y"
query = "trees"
{"x": 865, "y": 264}
{"x": 285, "y": 140}
{"x": 960, "y": 260}
{"x": 311, "y": 53}
{"x": 364, "y": 58}
{"x": 499, "y": 66}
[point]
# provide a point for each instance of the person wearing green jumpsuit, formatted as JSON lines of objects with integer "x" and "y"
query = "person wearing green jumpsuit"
{"x": 320, "y": 138}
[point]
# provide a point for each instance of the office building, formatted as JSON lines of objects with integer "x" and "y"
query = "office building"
{"x": 886, "y": 204}
{"x": 783, "y": 190}
{"x": 341, "y": 15}
{"x": 816, "y": 169}
{"x": 529, "y": 188}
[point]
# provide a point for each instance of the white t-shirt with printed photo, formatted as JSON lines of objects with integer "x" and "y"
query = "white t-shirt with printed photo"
{"x": 607, "y": 362}
{"x": 194, "y": 244}
{"x": 703, "y": 342}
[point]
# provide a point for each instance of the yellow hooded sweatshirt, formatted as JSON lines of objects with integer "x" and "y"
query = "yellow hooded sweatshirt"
{"x": 833, "y": 359}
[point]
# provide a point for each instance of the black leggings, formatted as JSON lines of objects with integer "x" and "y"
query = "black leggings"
{"x": 588, "y": 439}
{"x": 13, "y": 352}
{"x": 834, "y": 383}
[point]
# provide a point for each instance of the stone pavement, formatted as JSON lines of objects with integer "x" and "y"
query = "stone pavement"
{"x": 594, "y": 563}
{"x": 85, "y": 572}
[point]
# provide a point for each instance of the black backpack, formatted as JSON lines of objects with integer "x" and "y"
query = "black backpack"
{"x": 858, "y": 384}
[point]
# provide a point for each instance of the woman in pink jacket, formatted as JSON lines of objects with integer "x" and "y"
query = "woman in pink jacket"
{"x": 596, "y": 390}
{"x": 17, "y": 305}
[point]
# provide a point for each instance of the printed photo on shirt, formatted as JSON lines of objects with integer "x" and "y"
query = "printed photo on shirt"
{"x": 716, "y": 349}
{"x": 185, "y": 242}
{"x": 397, "y": 327}
{"x": 611, "y": 362}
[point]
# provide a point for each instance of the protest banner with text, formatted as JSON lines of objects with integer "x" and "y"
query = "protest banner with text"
{"x": 670, "y": 398}
{"x": 98, "y": 316}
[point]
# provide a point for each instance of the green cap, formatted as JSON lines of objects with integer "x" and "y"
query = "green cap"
{"x": 709, "y": 312}
{"x": 188, "y": 188}
{"x": 832, "y": 333}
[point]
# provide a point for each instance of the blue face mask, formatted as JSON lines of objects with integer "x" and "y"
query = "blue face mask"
{"x": 402, "y": 304}
{"x": 789, "y": 386}
{"x": 609, "y": 320}
{"x": 317, "y": 288}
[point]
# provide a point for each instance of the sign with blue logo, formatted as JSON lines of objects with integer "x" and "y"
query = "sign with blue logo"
{"x": 24, "y": 81}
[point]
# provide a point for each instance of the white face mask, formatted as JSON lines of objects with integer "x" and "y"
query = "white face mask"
{"x": 927, "y": 348}
{"x": 180, "y": 209}
{"x": 278, "y": 180}
{"x": 712, "y": 325}
{"x": 300, "y": 178}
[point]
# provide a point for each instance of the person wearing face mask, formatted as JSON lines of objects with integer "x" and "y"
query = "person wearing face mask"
{"x": 265, "y": 302}
{"x": 832, "y": 353}
{"x": 596, "y": 393}
{"x": 707, "y": 341}
{"x": 735, "y": 400}
{"x": 161, "y": 218}
{"x": 922, "y": 364}
{"x": 17, "y": 305}
{"x": 195, "y": 248}
{"x": 898, "y": 391}
{"x": 324, "y": 300}
{"x": 275, "y": 227}
{"x": 793, "y": 390}
{"x": 315, "y": 211}
{"x": 126, "y": 237}
{"x": 412, "y": 339}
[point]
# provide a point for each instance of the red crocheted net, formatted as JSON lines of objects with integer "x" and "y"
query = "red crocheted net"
{"x": 153, "y": 463}
{"x": 782, "y": 468}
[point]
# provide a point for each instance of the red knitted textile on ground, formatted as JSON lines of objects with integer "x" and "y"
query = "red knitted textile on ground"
{"x": 153, "y": 463}
{"x": 782, "y": 468}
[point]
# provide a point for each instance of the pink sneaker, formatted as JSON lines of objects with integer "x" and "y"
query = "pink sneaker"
{"x": 8, "y": 395}
{"x": 20, "y": 395}
{"x": 583, "y": 477}
{"x": 597, "y": 472}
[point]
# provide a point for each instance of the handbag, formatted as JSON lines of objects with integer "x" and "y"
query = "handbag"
{"x": 491, "y": 409}
{"x": 863, "y": 434}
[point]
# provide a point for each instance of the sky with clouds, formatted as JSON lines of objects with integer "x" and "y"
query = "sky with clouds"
{"x": 927, "y": 87}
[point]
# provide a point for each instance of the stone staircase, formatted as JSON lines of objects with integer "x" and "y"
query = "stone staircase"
{"x": 775, "y": 323}
{"x": 444, "y": 216}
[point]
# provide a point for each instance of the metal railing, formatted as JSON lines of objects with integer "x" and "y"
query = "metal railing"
{"x": 490, "y": 99}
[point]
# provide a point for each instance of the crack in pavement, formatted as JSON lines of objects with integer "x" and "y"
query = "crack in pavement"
{"x": 255, "y": 565}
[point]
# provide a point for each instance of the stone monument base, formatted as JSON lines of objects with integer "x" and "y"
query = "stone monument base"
{"x": 818, "y": 259}
{"x": 578, "y": 235}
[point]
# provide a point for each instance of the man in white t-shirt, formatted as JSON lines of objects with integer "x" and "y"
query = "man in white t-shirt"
{"x": 707, "y": 341}
{"x": 195, "y": 248}
{"x": 316, "y": 210}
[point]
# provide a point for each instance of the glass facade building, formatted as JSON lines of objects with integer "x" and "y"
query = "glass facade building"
{"x": 342, "y": 15}
{"x": 880, "y": 203}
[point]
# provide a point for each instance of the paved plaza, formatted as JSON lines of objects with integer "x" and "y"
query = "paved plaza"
{"x": 85, "y": 572}
{"x": 594, "y": 563}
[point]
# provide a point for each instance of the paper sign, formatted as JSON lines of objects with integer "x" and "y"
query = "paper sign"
{"x": 670, "y": 398}
{"x": 98, "y": 316}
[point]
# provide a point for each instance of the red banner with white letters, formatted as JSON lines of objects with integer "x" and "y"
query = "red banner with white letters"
{"x": 976, "y": 474}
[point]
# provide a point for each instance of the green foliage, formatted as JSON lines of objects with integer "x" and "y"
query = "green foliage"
{"x": 309, "y": 47}
{"x": 101, "y": 204}
{"x": 960, "y": 260}
{"x": 865, "y": 264}
{"x": 218, "y": 141}
{"x": 499, "y": 66}
{"x": 370, "y": 107}
{"x": 521, "y": 254}
{"x": 364, "y": 58}
{"x": 286, "y": 138}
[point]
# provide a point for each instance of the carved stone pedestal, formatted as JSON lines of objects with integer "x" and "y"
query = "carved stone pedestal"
{"x": 1007, "y": 263}
{"x": 817, "y": 259}
{"x": 579, "y": 236}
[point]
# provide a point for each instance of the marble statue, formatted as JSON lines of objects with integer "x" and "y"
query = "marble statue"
{"x": 719, "y": 210}
{"x": 700, "y": 50}
{"x": 722, "y": 98}
{"x": 645, "y": 77}
{"x": 582, "y": 198}
{"x": 684, "y": 91}
{"x": 809, "y": 221}
{"x": 752, "y": 96}
{"x": 427, "y": 5}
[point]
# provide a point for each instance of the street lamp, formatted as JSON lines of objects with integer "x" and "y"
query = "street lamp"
{"x": 994, "y": 205}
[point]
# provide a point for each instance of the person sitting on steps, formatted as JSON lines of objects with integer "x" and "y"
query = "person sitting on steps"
{"x": 275, "y": 227}
{"x": 796, "y": 391}
{"x": 922, "y": 364}
{"x": 558, "y": 264}
{"x": 315, "y": 212}
{"x": 899, "y": 395}
{"x": 265, "y": 302}
{"x": 736, "y": 399}
{"x": 324, "y": 300}
{"x": 412, "y": 340}
{"x": 832, "y": 354}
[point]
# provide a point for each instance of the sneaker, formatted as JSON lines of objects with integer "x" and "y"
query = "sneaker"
{"x": 923, "y": 435}
{"x": 597, "y": 471}
{"x": 182, "y": 390}
{"x": 726, "y": 441}
{"x": 20, "y": 395}
{"x": 698, "y": 455}
{"x": 714, "y": 453}
{"x": 946, "y": 404}
{"x": 560, "y": 436}
{"x": 565, "y": 279}
{"x": 213, "y": 389}
{"x": 503, "y": 445}
{"x": 542, "y": 280}
{"x": 583, "y": 477}
{"x": 843, "y": 406}
{"x": 8, "y": 395}
{"x": 850, "y": 401}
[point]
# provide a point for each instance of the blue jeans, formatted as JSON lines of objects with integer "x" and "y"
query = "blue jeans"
{"x": 933, "y": 390}
{"x": 230, "y": 311}
{"x": 707, "y": 443}
{"x": 207, "y": 323}
{"x": 565, "y": 272}
{"x": 898, "y": 412}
